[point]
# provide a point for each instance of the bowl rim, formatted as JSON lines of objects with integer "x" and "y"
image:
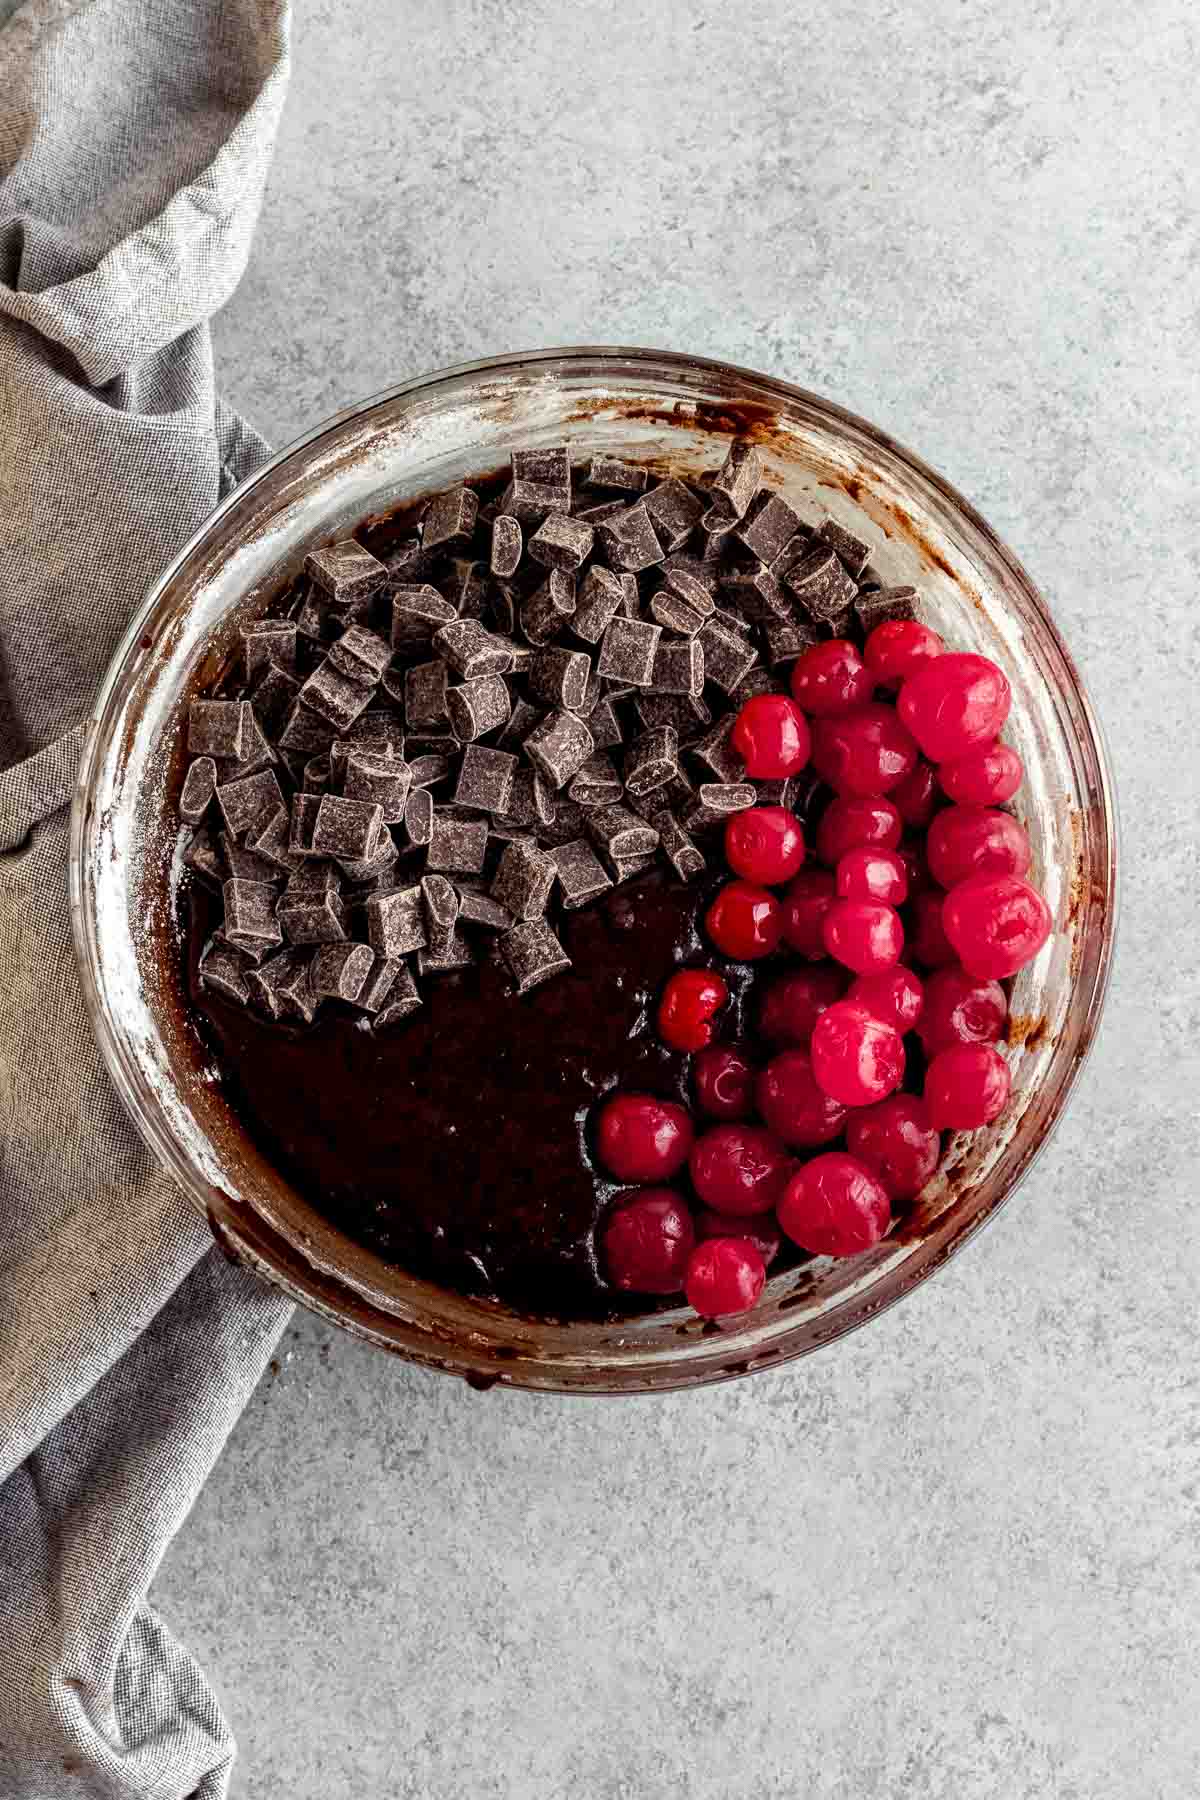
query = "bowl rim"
{"x": 259, "y": 1246}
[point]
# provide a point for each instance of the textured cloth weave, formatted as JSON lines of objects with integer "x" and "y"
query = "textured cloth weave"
{"x": 135, "y": 137}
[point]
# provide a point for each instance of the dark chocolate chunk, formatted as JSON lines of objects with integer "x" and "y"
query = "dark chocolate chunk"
{"x": 840, "y": 625}
{"x": 615, "y": 476}
{"x": 318, "y": 772}
{"x": 379, "y": 731}
{"x": 334, "y": 697}
{"x": 560, "y": 678}
{"x": 685, "y": 574}
{"x": 737, "y": 481}
{"x": 541, "y": 484}
{"x": 360, "y": 655}
{"x": 601, "y": 596}
{"x": 259, "y": 755}
{"x": 504, "y": 606}
{"x": 425, "y": 695}
{"x": 382, "y": 781}
{"x": 754, "y": 682}
{"x": 626, "y": 867}
{"x": 249, "y": 802}
{"x": 473, "y": 651}
{"x": 727, "y": 654}
{"x": 820, "y": 584}
{"x": 709, "y": 543}
{"x": 530, "y": 805}
{"x": 347, "y": 829}
{"x": 521, "y": 722}
{"x": 652, "y": 760}
{"x": 220, "y": 728}
{"x": 247, "y": 865}
{"x": 674, "y": 613}
{"x": 561, "y": 543}
{"x": 418, "y": 817}
{"x": 559, "y": 747}
{"x": 629, "y": 540}
{"x": 786, "y": 641}
{"x": 403, "y": 999}
{"x": 376, "y": 870}
{"x": 199, "y": 786}
{"x": 313, "y": 918}
{"x": 597, "y": 783}
{"x": 581, "y": 874}
{"x": 252, "y": 954}
{"x": 533, "y": 954}
{"x": 676, "y": 794}
{"x": 549, "y": 607}
{"x": 271, "y": 841}
{"x": 523, "y": 879}
{"x": 288, "y": 977}
{"x": 466, "y": 587}
{"x": 620, "y": 833}
{"x": 315, "y": 622}
{"x": 311, "y": 878}
{"x": 507, "y": 546}
{"x": 273, "y": 698}
{"x": 385, "y": 972}
{"x": 794, "y": 551}
{"x": 305, "y": 808}
{"x": 675, "y": 512}
{"x": 478, "y": 707}
{"x": 714, "y": 751}
{"x": 679, "y": 667}
{"x": 225, "y": 969}
{"x": 884, "y": 605}
{"x": 604, "y": 725}
{"x": 596, "y": 515}
{"x": 485, "y": 779}
{"x": 477, "y": 908}
{"x": 345, "y": 571}
{"x": 408, "y": 563}
{"x": 396, "y": 922}
{"x": 456, "y": 845}
{"x": 455, "y": 953}
{"x": 684, "y": 857}
{"x": 687, "y": 714}
{"x": 549, "y": 467}
{"x": 569, "y": 821}
{"x": 440, "y": 899}
{"x": 203, "y": 857}
{"x": 628, "y": 650}
{"x": 716, "y": 800}
{"x": 769, "y": 526}
{"x": 340, "y": 971}
{"x": 307, "y": 731}
{"x": 417, "y": 613}
{"x": 449, "y": 518}
{"x": 759, "y": 594}
{"x": 268, "y": 644}
{"x": 250, "y": 913}
{"x": 430, "y": 769}
{"x": 852, "y": 553}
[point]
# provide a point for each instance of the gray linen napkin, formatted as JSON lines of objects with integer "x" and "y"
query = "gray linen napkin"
{"x": 134, "y": 142}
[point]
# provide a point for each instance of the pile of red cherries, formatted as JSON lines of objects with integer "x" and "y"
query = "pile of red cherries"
{"x": 906, "y": 734}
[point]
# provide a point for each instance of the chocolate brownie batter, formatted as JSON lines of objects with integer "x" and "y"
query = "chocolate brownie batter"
{"x": 455, "y": 1143}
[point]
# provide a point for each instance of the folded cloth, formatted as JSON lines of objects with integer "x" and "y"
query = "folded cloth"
{"x": 135, "y": 137}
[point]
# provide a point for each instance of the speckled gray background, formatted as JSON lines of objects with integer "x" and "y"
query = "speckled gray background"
{"x": 958, "y": 1556}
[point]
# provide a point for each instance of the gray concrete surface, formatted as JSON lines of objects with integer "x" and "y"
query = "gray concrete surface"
{"x": 957, "y": 1557}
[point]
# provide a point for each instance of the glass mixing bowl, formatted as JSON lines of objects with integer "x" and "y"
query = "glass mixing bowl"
{"x": 422, "y": 436}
